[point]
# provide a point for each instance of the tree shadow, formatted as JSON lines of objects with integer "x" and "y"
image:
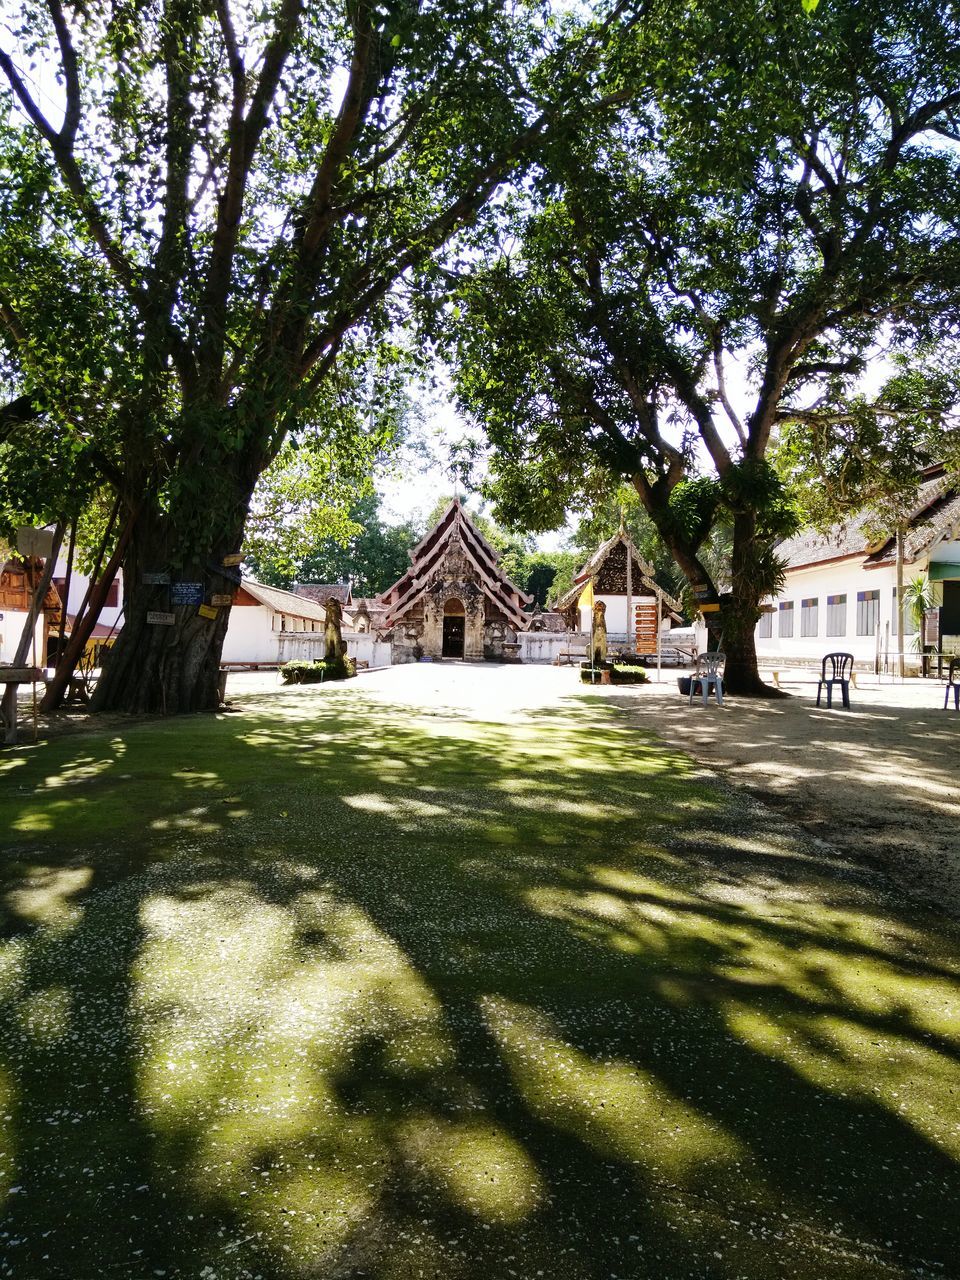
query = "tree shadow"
{"x": 339, "y": 990}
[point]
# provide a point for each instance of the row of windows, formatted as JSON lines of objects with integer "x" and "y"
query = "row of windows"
{"x": 282, "y": 622}
{"x": 867, "y": 617}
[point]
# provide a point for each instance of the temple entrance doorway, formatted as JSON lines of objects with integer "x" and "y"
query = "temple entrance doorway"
{"x": 454, "y": 629}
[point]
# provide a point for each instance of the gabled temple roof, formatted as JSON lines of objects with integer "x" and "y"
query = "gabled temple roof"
{"x": 644, "y": 579}
{"x": 455, "y": 526}
{"x": 934, "y": 516}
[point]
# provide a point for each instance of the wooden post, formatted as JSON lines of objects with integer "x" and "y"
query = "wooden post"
{"x": 901, "y": 638}
{"x": 659, "y": 623}
{"x": 631, "y": 629}
{"x": 83, "y": 626}
{"x": 28, "y": 636}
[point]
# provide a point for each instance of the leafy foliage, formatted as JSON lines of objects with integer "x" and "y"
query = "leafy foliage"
{"x": 203, "y": 232}
{"x": 721, "y": 258}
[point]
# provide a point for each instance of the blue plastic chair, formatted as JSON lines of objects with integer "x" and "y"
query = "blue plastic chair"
{"x": 841, "y": 667}
{"x": 953, "y": 682}
{"x": 709, "y": 676}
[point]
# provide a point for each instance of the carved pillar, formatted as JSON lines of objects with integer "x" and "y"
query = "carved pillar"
{"x": 473, "y": 636}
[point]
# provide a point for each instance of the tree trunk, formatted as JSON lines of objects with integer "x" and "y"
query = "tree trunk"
{"x": 172, "y": 667}
{"x": 164, "y": 667}
{"x": 740, "y": 612}
{"x": 732, "y": 628}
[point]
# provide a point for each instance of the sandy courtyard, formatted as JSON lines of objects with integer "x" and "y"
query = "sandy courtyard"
{"x": 881, "y": 782}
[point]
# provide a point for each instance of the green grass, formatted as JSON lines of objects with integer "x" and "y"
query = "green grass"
{"x": 331, "y": 991}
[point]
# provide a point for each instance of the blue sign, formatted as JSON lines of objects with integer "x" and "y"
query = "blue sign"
{"x": 186, "y": 593}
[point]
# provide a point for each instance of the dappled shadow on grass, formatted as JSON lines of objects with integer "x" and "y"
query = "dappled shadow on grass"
{"x": 339, "y": 990}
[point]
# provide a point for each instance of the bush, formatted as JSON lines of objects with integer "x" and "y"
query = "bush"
{"x": 622, "y": 674}
{"x": 301, "y": 672}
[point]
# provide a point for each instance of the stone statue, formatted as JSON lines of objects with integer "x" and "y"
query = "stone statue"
{"x": 335, "y": 646}
{"x": 599, "y": 633}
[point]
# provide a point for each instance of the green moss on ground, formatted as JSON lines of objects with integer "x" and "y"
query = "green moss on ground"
{"x": 333, "y": 990}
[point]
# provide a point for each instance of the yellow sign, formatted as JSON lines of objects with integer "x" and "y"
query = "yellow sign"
{"x": 207, "y": 611}
{"x": 709, "y": 608}
{"x": 236, "y": 558}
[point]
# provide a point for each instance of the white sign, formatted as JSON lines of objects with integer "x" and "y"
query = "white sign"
{"x": 160, "y": 619}
{"x": 34, "y": 542}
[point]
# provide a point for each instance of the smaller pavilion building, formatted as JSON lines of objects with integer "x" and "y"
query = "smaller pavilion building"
{"x": 624, "y": 582}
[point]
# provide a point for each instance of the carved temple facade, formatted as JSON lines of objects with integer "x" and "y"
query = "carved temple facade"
{"x": 455, "y": 601}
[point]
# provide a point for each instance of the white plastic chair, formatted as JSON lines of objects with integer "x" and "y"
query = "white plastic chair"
{"x": 709, "y": 675}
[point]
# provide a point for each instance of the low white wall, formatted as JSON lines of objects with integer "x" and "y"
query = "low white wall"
{"x": 12, "y": 622}
{"x": 364, "y": 647}
{"x": 546, "y": 646}
{"x": 310, "y": 646}
{"x": 250, "y": 636}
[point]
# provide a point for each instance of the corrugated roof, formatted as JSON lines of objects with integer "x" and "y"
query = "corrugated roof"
{"x": 285, "y": 601}
{"x": 934, "y": 515}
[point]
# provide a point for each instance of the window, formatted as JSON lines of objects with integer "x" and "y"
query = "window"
{"x": 909, "y": 622}
{"x": 837, "y": 615}
{"x": 765, "y": 626}
{"x": 809, "y": 624}
{"x": 786, "y": 617}
{"x": 868, "y": 612}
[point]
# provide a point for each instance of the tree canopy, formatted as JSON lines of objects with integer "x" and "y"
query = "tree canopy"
{"x": 208, "y": 212}
{"x": 677, "y": 284}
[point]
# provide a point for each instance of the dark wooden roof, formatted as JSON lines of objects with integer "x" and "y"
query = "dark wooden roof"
{"x": 642, "y": 575}
{"x": 455, "y": 527}
{"x": 321, "y": 592}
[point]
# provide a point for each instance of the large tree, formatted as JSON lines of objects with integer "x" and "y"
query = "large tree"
{"x": 209, "y": 208}
{"x": 680, "y": 282}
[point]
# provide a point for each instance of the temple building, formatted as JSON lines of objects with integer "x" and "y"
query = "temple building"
{"x": 455, "y": 601}
{"x": 626, "y": 593}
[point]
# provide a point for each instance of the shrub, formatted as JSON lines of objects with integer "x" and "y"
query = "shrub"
{"x": 622, "y": 674}
{"x": 301, "y": 672}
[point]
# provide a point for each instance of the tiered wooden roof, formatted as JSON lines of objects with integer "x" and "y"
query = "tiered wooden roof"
{"x": 642, "y": 576}
{"x": 455, "y": 527}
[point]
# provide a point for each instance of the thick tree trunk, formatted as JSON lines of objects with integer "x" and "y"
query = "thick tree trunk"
{"x": 740, "y": 612}
{"x": 172, "y": 667}
{"x": 732, "y": 628}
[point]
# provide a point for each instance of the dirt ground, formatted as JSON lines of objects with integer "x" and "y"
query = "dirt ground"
{"x": 881, "y": 781}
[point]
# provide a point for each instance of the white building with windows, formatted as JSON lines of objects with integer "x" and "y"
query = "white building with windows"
{"x": 841, "y": 588}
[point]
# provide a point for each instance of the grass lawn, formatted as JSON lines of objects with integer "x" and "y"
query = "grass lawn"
{"x": 336, "y": 990}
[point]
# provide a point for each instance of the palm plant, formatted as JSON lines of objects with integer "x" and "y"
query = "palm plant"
{"x": 917, "y": 598}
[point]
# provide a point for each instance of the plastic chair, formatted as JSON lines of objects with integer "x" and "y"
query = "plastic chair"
{"x": 841, "y": 666}
{"x": 953, "y": 682}
{"x": 709, "y": 676}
